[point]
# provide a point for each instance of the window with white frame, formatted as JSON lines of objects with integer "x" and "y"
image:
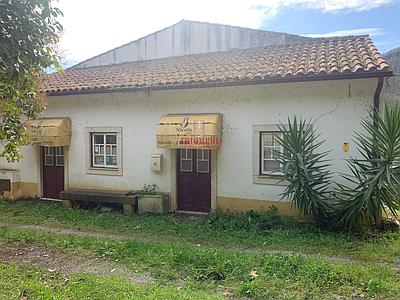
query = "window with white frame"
{"x": 186, "y": 160}
{"x": 269, "y": 151}
{"x": 203, "y": 161}
{"x": 104, "y": 150}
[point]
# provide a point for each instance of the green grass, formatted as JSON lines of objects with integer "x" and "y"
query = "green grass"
{"x": 17, "y": 282}
{"x": 281, "y": 276}
{"x": 167, "y": 248}
{"x": 302, "y": 238}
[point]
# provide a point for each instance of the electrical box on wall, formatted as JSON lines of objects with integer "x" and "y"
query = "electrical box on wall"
{"x": 156, "y": 162}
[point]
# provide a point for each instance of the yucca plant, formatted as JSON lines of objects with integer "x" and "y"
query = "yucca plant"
{"x": 373, "y": 186}
{"x": 305, "y": 170}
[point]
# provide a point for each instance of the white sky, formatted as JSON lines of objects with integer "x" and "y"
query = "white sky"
{"x": 94, "y": 26}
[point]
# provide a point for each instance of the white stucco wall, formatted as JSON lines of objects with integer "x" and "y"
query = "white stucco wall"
{"x": 335, "y": 105}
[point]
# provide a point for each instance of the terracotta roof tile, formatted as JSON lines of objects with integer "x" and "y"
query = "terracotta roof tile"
{"x": 320, "y": 57}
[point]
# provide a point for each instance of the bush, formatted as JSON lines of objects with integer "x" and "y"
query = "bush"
{"x": 305, "y": 170}
{"x": 148, "y": 189}
{"x": 373, "y": 187}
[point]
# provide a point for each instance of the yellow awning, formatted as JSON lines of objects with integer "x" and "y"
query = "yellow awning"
{"x": 196, "y": 131}
{"x": 49, "y": 132}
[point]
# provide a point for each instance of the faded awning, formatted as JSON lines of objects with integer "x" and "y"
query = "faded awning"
{"x": 191, "y": 131}
{"x": 49, "y": 132}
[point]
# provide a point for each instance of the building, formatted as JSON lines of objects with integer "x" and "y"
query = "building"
{"x": 200, "y": 124}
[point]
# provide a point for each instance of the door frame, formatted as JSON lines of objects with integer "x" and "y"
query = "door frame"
{"x": 39, "y": 159}
{"x": 174, "y": 180}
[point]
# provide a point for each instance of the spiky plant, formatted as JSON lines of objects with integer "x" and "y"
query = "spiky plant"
{"x": 305, "y": 170}
{"x": 373, "y": 184}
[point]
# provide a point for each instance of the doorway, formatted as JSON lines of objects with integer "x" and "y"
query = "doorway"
{"x": 53, "y": 171}
{"x": 194, "y": 180}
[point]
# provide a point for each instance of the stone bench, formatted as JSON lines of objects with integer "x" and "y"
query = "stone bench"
{"x": 128, "y": 201}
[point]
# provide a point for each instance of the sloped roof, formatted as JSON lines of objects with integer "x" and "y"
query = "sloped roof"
{"x": 328, "y": 58}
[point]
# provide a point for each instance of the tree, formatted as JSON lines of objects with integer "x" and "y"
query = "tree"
{"x": 29, "y": 33}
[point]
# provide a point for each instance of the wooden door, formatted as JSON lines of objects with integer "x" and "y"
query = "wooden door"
{"x": 194, "y": 180}
{"x": 53, "y": 171}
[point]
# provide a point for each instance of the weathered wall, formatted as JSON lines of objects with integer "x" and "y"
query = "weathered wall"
{"x": 188, "y": 37}
{"x": 336, "y": 106}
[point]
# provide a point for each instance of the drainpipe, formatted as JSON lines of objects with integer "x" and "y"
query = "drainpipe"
{"x": 376, "y": 100}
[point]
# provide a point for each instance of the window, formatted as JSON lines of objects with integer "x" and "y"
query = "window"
{"x": 104, "y": 150}
{"x": 54, "y": 156}
{"x": 203, "y": 164}
{"x": 265, "y": 147}
{"x": 60, "y": 156}
{"x": 48, "y": 156}
{"x": 186, "y": 160}
{"x": 270, "y": 150}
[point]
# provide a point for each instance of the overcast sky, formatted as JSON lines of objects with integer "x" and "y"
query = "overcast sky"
{"x": 95, "y": 26}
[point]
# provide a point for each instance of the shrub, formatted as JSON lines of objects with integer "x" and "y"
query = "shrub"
{"x": 148, "y": 189}
{"x": 374, "y": 183}
{"x": 304, "y": 169}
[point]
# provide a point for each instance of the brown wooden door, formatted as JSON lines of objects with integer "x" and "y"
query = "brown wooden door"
{"x": 194, "y": 180}
{"x": 53, "y": 171}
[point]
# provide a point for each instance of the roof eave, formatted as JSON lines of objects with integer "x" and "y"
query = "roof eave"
{"x": 361, "y": 75}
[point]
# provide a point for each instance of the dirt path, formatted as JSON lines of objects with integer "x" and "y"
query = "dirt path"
{"x": 114, "y": 237}
{"x": 66, "y": 262}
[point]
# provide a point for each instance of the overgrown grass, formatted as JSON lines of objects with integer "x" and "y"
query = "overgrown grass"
{"x": 281, "y": 276}
{"x": 31, "y": 283}
{"x": 220, "y": 231}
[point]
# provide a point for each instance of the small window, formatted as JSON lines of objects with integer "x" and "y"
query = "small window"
{"x": 48, "y": 156}
{"x": 186, "y": 160}
{"x": 104, "y": 150}
{"x": 60, "y": 156}
{"x": 203, "y": 157}
{"x": 269, "y": 152}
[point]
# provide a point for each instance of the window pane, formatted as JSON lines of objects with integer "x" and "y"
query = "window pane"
{"x": 108, "y": 149}
{"x": 114, "y": 150}
{"x": 99, "y": 160}
{"x": 271, "y": 166}
{"x": 200, "y": 154}
{"x": 186, "y": 165}
{"x": 267, "y": 139}
{"x": 59, "y": 150}
{"x": 188, "y": 153}
{"x": 275, "y": 139}
{"x": 205, "y": 154}
{"x": 101, "y": 147}
{"x": 275, "y": 152}
{"x": 96, "y": 149}
{"x": 60, "y": 160}
{"x": 202, "y": 166}
{"x": 99, "y": 139}
{"x": 111, "y": 160}
{"x": 267, "y": 153}
{"x": 111, "y": 139}
{"x": 48, "y": 160}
